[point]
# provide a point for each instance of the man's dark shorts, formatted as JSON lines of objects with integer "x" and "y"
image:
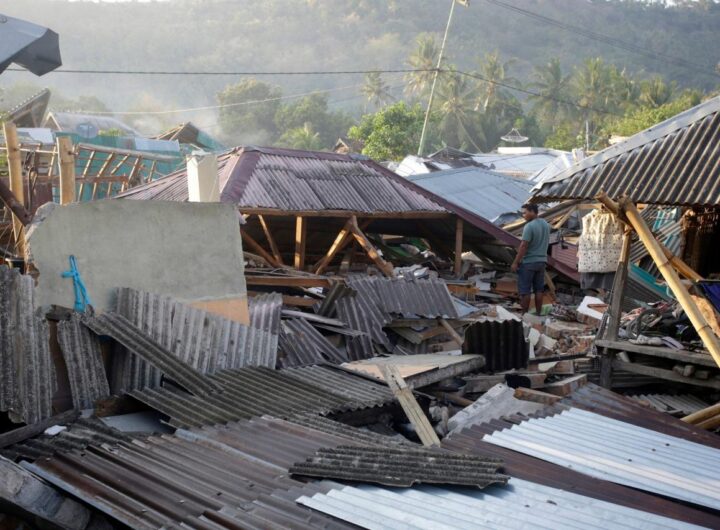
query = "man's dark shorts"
{"x": 531, "y": 278}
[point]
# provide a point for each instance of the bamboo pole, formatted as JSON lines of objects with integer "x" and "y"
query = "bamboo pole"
{"x": 67, "y": 170}
{"x": 703, "y": 414}
{"x": 16, "y": 182}
{"x": 669, "y": 273}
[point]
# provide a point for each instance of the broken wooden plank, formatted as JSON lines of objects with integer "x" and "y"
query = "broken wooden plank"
{"x": 28, "y": 431}
{"x": 454, "y": 334}
{"x": 526, "y": 380}
{"x": 385, "y": 266}
{"x": 258, "y": 249}
{"x": 288, "y": 281}
{"x": 662, "y": 373}
{"x": 481, "y": 383}
{"x": 528, "y": 394}
{"x": 407, "y": 400}
{"x": 567, "y": 386}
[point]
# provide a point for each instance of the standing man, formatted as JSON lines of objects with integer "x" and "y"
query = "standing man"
{"x": 531, "y": 258}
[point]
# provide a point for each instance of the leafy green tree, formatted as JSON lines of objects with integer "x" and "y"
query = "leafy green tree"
{"x": 641, "y": 118}
{"x": 302, "y": 138}
{"x": 593, "y": 91}
{"x": 248, "y": 114}
{"x": 376, "y": 91}
{"x": 424, "y": 58}
{"x": 459, "y": 121}
{"x": 313, "y": 109}
{"x": 655, "y": 92}
{"x": 563, "y": 138}
{"x": 391, "y": 133}
{"x": 491, "y": 94}
{"x": 552, "y": 87}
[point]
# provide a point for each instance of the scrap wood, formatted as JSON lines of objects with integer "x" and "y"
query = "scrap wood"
{"x": 28, "y": 431}
{"x": 407, "y": 400}
{"x": 536, "y": 396}
{"x": 567, "y": 386}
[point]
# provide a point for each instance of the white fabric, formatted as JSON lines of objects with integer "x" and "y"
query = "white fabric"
{"x": 600, "y": 244}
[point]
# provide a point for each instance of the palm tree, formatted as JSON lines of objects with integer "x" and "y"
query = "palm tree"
{"x": 655, "y": 92}
{"x": 551, "y": 86}
{"x": 376, "y": 90}
{"x": 424, "y": 59}
{"x": 303, "y": 137}
{"x": 593, "y": 89}
{"x": 494, "y": 74}
{"x": 459, "y": 121}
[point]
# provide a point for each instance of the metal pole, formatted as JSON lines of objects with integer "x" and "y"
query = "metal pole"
{"x": 421, "y": 148}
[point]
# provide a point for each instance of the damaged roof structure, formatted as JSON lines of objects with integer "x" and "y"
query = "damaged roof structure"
{"x": 274, "y": 338}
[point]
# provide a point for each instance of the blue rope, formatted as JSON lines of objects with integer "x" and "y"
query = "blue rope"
{"x": 82, "y": 300}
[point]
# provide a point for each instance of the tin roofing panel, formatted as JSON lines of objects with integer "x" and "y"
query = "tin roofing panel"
{"x": 676, "y": 162}
{"x": 400, "y": 467}
{"x": 620, "y": 452}
{"x": 204, "y": 341}
{"x": 83, "y": 359}
{"x": 294, "y": 180}
{"x": 302, "y": 344}
{"x": 27, "y": 373}
{"x": 485, "y": 193}
{"x": 519, "y": 504}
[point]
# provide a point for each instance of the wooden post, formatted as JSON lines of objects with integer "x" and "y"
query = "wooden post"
{"x": 671, "y": 276}
{"x": 17, "y": 185}
{"x": 458, "y": 246}
{"x": 67, "y": 169}
{"x": 385, "y": 266}
{"x": 270, "y": 239}
{"x": 342, "y": 239}
{"x": 409, "y": 404}
{"x": 454, "y": 334}
{"x": 300, "y": 236}
{"x": 615, "y": 311}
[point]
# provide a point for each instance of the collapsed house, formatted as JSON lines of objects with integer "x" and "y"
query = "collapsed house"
{"x": 289, "y": 339}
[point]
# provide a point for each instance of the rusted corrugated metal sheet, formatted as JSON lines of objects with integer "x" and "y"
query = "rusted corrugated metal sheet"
{"x": 676, "y": 162}
{"x": 144, "y": 346}
{"x": 27, "y": 374}
{"x": 302, "y": 344}
{"x": 83, "y": 359}
{"x": 229, "y": 477}
{"x": 250, "y": 392}
{"x": 502, "y": 343}
{"x": 294, "y": 180}
{"x": 204, "y": 341}
{"x": 401, "y": 467}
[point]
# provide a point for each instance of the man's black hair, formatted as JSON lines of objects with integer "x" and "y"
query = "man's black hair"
{"x": 530, "y": 207}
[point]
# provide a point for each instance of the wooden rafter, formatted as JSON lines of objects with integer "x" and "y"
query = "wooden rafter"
{"x": 385, "y": 266}
{"x": 258, "y": 249}
{"x": 270, "y": 239}
{"x": 342, "y": 239}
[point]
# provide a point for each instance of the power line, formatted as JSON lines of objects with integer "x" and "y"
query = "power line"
{"x": 610, "y": 41}
{"x": 231, "y": 73}
{"x": 227, "y": 105}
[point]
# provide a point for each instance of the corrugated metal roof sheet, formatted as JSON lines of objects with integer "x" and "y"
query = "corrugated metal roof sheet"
{"x": 229, "y": 477}
{"x": 424, "y": 298}
{"x": 287, "y": 179}
{"x": 252, "y": 392}
{"x": 502, "y": 344}
{"x": 400, "y": 467}
{"x": 685, "y": 403}
{"x": 676, "y": 162}
{"x": 83, "y": 359}
{"x": 520, "y": 504}
{"x": 144, "y": 346}
{"x": 27, "y": 374}
{"x": 620, "y": 452}
{"x": 478, "y": 190}
{"x": 302, "y": 344}
{"x": 205, "y": 341}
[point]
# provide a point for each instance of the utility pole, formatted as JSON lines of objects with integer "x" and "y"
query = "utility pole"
{"x": 421, "y": 148}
